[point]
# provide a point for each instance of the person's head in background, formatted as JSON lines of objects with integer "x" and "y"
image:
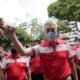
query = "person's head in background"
{"x": 28, "y": 45}
{"x": 65, "y": 37}
{"x": 12, "y": 49}
{"x": 7, "y": 52}
{"x": 50, "y": 30}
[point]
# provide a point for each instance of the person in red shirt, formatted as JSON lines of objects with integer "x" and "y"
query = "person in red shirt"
{"x": 36, "y": 68}
{"x": 35, "y": 62}
{"x": 15, "y": 66}
{"x": 77, "y": 50}
{"x": 73, "y": 48}
{"x": 55, "y": 54}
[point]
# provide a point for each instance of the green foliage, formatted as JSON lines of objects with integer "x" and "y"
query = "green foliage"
{"x": 42, "y": 36}
{"x": 63, "y": 26}
{"x": 23, "y": 36}
{"x": 65, "y": 10}
{"x": 68, "y": 10}
{"x": 57, "y": 10}
{"x": 4, "y": 41}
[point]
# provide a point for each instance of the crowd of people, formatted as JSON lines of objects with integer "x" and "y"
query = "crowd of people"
{"x": 52, "y": 59}
{"x": 13, "y": 66}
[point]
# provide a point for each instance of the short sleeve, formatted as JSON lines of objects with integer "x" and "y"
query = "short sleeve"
{"x": 78, "y": 53}
{"x": 36, "y": 49}
{"x": 71, "y": 53}
{"x": 3, "y": 66}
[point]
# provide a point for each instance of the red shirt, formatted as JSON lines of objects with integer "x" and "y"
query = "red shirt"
{"x": 16, "y": 68}
{"x": 36, "y": 65}
{"x": 74, "y": 48}
{"x": 78, "y": 55}
{"x": 54, "y": 59}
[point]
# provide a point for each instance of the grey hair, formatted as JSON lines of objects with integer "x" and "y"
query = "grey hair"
{"x": 51, "y": 22}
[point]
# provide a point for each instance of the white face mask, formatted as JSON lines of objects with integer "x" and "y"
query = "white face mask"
{"x": 50, "y": 35}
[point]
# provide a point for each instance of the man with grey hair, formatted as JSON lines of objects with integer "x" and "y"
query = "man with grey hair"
{"x": 55, "y": 54}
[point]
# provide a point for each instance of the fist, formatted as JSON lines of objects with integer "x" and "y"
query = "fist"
{"x": 9, "y": 30}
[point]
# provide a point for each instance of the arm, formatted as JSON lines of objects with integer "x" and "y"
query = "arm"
{"x": 28, "y": 68}
{"x": 3, "y": 67}
{"x": 74, "y": 71}
{"x": 19, "y": 47}
{"x": 3, "y": 75}
{"x": 10, "y": 32}
{"x": 29, "y": 73}
{"x": 72, "y": 63}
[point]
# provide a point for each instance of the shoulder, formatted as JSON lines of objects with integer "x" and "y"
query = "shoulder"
{"x": 59, "y": 41}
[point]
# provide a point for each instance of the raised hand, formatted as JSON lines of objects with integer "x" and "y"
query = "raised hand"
{"x": 7, "y": 29}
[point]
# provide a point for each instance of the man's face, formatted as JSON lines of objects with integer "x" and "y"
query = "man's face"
{"x": 49, "y": 27}
{"x": 50, "y": 31}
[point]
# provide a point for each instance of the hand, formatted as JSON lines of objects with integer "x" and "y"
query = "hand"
{"x": 9, "y": 30}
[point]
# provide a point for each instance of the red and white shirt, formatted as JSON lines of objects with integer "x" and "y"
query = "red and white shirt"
{"x": 36, "y": 65}
{"x": 74, "y": 49}
{"x": 78, "y": 55}
{"x": 54, "y": 60}
{"x": 16, "y": 69}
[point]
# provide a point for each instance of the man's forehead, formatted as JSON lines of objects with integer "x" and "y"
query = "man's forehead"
{"x": 47, "y": 26}
{"x": 49, "y": 23}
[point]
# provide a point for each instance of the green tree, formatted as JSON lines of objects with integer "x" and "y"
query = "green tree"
{"x": 63, "y": 26}
{"x": 22, "y": 35}
{"x": 65, "y": 10}
{"x": 4, "y": 41}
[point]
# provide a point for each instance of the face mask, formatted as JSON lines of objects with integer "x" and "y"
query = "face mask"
{"x": 50, "y": 35}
